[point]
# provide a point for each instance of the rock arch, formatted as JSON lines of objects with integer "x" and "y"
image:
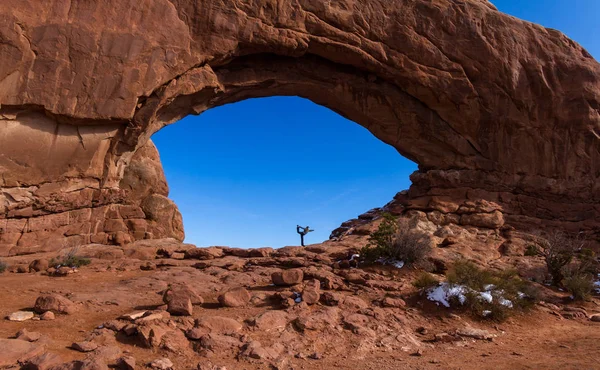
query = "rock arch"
{"x": 502, "y": 116}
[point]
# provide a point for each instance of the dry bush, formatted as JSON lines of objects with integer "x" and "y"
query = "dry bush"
{"x": 396, "y": 240}
{"x": 503, "y": 286}
{"x": 559, "y": 251}
{"x": 70, "y": 260}
{"x": 3, "y": 266}
{"x": 425, "y": 281}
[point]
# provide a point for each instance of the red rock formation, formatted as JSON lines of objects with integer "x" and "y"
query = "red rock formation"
{"x": 491, "y": 108}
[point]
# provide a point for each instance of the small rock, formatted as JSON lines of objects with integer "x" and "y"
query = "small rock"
{"x": 287, "y": 277}
{"x": 315, "y": 356}
{"x": 179, "y": 300}
{"x": 475, "y": 333}
{"x": 20, "y": 316}
{"x": 417, "y": 353}
{"x": 393, "y": 302}
{"x": 47, "y": 316}
{"x": 44, "y": 361}
{"x": 161, "y": 364}
{"x": 422, "y": 330}
{"x": 38, "y": 265}
{"x": 84, "y": 346}
{"x": 148, "y": 266}
{"x": 126, "y": 363}
{"x": 55, "y": 303}
{"x": 236, "y": 297}
{"x": 29, "y": 336}
{"x": 444, "y": 338}
{"x": 133, "y": 315}
{"x": 595, "y": 318}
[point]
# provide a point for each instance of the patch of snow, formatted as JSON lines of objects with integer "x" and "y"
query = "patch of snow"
{"x": 385, "y": 261}
{"x": 505, "y": 302}
{"x": 486, "y": 296}
{"x": 354, "y": 256}
{"x": 486, "y": 312}
{"x": 445, "y": 291}
{"x": 597, "y": 284}
{"x": 489, "y": 287}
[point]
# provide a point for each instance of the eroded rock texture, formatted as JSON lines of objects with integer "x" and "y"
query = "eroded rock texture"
{"x": 493, "y": 109}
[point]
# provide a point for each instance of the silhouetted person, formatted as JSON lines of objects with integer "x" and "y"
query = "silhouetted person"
{"x": 303, "y": 231}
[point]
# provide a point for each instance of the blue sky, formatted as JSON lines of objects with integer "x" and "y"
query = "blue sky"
{"x": 246, "y": 174}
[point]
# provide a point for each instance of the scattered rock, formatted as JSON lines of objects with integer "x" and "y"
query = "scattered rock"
{"x": 219, "y": 324}
{"x": 15, "y": 350}
{"x": 46, "y": 361}
{"x": 84, "y": 346}
{"x": 236, "y": 297}
{"x": 29, "y": 336}
{"x": 393, "y": 302}
{"x": 475, "y": 333}
{"x": 595, "y": 318}
{"x": 287, "y": 277}
{"x": 179, "y": 300}
{"x": 20, "y": 316}
{"x": 38, "y": 265}
{"x": 271, "y": 320}
{"x": 55, "y": 303}
{"x": 126, "y": 363}
{"x": 47, "y": 316}
{"x": 161, "y": 364}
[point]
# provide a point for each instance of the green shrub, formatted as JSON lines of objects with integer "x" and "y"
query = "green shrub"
{"x": 532, "y": 251}
{"x": 425, "y": 281}
{"x": 396, "y": 240}
{"x": 70, "y": 260}
{"x": 3, "y": 266}
{"x": 580, "y": 285}
{"x": 503, "y": 286}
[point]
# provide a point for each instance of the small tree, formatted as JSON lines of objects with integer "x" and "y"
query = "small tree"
{"x": 395, "y": 239}
{"x": 558, "y": 250}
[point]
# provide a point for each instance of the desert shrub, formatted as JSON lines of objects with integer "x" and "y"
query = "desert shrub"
{"x": 396, "y": 240}
{"x": 558, "y": 250}
{"x": 3, "y": 266}
{"x": 425, "y": 281}
{"x": 466, "y": 273}
{"x": 70, "y": 260}
{"x": 580, "y": 285}
{"x": 532, "y": 251}
{"x": 505, "y": 288}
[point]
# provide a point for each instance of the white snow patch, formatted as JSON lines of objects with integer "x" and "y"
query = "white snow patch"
{"x": 445, "y": 291}
{"x": 505, "y": 302}
{"x": 386, "y": 261}
{"x": 486, "y": 296}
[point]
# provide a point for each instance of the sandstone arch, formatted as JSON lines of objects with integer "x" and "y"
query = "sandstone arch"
{"x": 491, "y": 108}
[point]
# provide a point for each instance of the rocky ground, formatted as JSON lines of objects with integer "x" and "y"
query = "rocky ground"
{"x": 166, "y": 305}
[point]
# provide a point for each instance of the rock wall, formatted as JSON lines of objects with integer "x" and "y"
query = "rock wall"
{"x": 495, "y": 111}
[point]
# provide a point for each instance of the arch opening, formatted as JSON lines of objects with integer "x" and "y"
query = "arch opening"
{"x": 245, "y": 174}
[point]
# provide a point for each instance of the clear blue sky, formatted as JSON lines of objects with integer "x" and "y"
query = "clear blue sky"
{"x": 246, "y": 174}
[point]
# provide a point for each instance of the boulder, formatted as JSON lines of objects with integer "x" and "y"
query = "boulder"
{"x": 55, "y": 303}
{"x": 287, "y": 277}
{"x": 38, "y": 265}
{"x": 179, "y": 300}
{"x": 236, "y": 297}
